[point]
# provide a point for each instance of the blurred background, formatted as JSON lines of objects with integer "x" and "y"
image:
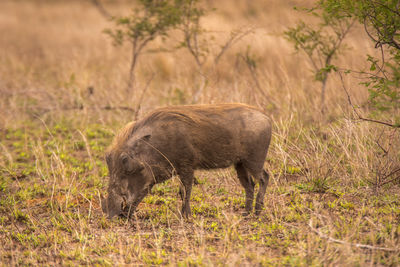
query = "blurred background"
{"x": 56, "y": 59}
{"x": 67, "y": 85}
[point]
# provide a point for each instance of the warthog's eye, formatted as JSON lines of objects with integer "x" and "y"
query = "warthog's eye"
{"x": 130, "y": 165}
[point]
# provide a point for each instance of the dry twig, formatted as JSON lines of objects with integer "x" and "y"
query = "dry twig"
{"x": 331, "y": 239}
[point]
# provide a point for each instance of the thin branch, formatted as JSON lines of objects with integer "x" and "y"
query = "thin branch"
{"x": 192, "y": 50}
{"x": 362, "y": 73}
{"x": 91, "y": 108}
{"x": 235, "y": 37}
{"x": 142, "y": 95}
{"x": 190, "y": 29}
{"x": 358, "y": 114}
{"x": 134, "y": 58}
{"x": 253, "y": 73}
{"x": 101, "y": 9}
{"x": 331, "y": 239}
{"x": 309, "y": 56}
{"x": 136, "y": 52}
{"x": 381, "y": 68}
{"x": 366, "y": 30}
{"x": 390, "y": 174}
{"x": 385, "y": 151}
{"x": 117, "y": 108}
{"x": 390, "y": 181}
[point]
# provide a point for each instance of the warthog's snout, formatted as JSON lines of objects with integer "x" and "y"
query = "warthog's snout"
{"x": 113, "y": 205}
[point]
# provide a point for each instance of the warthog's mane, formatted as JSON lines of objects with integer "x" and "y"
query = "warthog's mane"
{"x": 121, "y": 137}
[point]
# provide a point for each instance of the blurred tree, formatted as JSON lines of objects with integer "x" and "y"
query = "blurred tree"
{"x": 154, "y": 18}
{"x": 321, "y": 43}
{"x": 381, "y": 21}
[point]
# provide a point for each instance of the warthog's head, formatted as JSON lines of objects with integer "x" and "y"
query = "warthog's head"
{"x": 129, "y": 183}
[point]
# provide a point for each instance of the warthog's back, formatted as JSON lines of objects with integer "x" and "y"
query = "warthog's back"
{"x": 211, "y": 136}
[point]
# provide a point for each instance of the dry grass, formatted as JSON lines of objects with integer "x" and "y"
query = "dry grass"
{"x": 327, "y": 170}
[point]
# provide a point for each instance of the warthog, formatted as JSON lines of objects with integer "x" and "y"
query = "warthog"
{"x": 181, "y": 139}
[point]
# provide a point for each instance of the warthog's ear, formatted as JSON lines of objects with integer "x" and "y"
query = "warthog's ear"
{"x": 129, "y": 164}
{"x": 146, "y": 137}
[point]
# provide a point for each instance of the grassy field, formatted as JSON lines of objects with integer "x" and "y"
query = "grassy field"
{"x": 63, "y": 97}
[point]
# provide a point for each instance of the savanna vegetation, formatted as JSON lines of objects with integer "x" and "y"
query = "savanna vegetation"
{"x": 72, "y": 73}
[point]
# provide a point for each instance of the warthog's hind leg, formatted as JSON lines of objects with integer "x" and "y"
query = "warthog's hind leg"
{"x": 264, "y": 178}
{"x": 248, "y": 184}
